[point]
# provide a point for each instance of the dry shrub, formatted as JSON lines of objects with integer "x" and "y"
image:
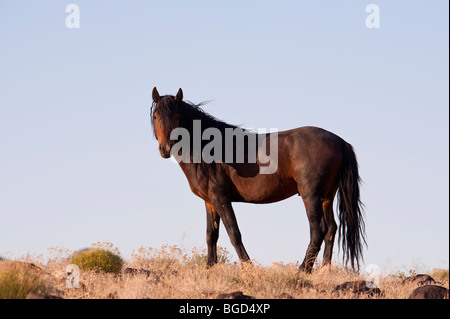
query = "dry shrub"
{"x": 440, "y": 274}
{"x": 172, "y": 256}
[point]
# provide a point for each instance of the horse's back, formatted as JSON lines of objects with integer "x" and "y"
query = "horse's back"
{"x": 309, "y": 141}
{"x": 310, "y": 134}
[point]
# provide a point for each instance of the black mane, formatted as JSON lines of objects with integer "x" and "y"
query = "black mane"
{"x": 188, "y": 112}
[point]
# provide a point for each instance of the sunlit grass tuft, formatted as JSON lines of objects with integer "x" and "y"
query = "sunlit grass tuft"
{"x": 16, "y": 282}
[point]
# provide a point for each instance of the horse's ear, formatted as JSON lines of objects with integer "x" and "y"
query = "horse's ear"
{"x": 179, "y": 96}
{"x": 155, "y": 95}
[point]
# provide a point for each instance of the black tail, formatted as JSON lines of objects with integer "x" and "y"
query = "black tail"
{"x": 351, "y": 219}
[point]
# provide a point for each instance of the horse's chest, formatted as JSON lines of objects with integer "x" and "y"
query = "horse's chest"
{"x": 199, "y": 191}
{"x": 198, "y": 183}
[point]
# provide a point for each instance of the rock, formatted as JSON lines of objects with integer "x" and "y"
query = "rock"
{"x": 234, "y": 295}
{"x": 429, "y": 292}
{"x": 133, "y": 271}
{"x": 285, "y": 295}
{"x": 23, "y": 266}
{"x": 420, "y": 279}
{"x": 113, "y": 295}
{"x": 358, "y": 288}
{"x": 32, "y": 295}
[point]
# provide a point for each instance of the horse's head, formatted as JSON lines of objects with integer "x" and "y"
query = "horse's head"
{"x": 165, "y": 117}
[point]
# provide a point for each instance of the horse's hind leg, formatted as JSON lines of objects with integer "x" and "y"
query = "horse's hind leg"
{"x": 318, "y": 229}
{"x": 212, "y": 233}
{"x": 327, "y": 206}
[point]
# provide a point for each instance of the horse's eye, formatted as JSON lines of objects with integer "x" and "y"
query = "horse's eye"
{"x": 154, "y": 117}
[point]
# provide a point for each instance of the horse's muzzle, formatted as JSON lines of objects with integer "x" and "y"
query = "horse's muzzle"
{"x": 164, "y": 151}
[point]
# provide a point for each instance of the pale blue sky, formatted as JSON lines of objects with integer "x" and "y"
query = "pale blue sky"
{"x": 79, "y": 164}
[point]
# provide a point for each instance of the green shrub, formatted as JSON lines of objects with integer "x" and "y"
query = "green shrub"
{"x": 99, "y": 260}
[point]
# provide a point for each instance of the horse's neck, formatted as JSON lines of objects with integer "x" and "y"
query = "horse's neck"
{"x": 195, "y": 170}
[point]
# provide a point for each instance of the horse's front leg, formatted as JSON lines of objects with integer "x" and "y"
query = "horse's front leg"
{"x": 212, "y": 233}
{"x": 226, "y": 213}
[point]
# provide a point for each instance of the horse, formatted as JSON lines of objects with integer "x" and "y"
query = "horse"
{"x": 311, "y": 162}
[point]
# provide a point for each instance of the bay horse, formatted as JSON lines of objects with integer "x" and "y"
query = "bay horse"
{"x": 312, "y": 162}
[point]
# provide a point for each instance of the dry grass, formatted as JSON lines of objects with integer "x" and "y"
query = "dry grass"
{"x": 19, "y": 279}
{"x": 174, "y": 273}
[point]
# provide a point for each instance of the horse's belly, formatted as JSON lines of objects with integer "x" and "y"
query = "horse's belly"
{"x": 265, "y": 190}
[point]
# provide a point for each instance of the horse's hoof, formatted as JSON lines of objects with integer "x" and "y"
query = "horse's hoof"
{"x": 305, "y": 269}
{"x": 210, "y": 264}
